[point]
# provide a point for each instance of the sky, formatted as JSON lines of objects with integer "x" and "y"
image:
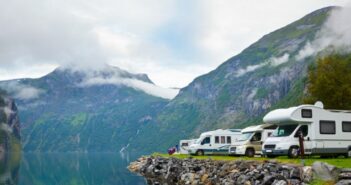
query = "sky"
{"x": 172, "y": 41}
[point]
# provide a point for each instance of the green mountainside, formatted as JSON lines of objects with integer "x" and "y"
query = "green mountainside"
{"x": 239, "y": 92}
{"x": 68, "y": 116}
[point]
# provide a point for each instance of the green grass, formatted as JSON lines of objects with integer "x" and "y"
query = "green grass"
{"x": 321, "y": 182}
{"x": 338, "y": 162}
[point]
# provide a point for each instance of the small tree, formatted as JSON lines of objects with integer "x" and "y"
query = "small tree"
{"x": 330, "y": 82}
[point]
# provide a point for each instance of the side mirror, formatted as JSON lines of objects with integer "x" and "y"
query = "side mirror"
{"x": 308, "y": 138}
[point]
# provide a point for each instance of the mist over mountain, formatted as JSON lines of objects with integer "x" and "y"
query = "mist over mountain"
{"x": 86, "y": 111}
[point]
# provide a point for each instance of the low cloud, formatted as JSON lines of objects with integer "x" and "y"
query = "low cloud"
{"x": 146, "y": 87}
{"x": 276, "y": 61}
{"x": 250, "y": 68}
{"x": 273, "y": 61}
{"x": 335, "y": 35}
{"x": 21, "y": 91}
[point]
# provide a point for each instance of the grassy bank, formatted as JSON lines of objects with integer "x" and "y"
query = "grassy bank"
{"x": 339, "y": 162}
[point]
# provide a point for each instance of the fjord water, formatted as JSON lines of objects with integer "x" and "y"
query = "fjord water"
{"x": 68, "y": 169}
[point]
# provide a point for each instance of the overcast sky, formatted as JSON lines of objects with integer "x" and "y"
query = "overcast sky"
{"x": 171, "y": 41}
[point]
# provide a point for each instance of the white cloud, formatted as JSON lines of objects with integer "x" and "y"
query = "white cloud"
{"x": 273, "y": 62}
{"x": 148, "y": 88}
{"x": 335, "y": 34}
{"x": 22, "y": 91}
{"x": 276, "y": 61}
{"x": 250, "y": 68}
{"x": 172, "y": 41}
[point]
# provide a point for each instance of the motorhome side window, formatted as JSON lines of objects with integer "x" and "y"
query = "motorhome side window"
{"x": 346, "y": 126}
{"x": 306, "y": 113}
{"x": 222, "y": 139}
{"x": 207, "y": 140}
{"x": 217, "y": 139}
{"x": 327, "y": 127}
{"x": 229, "y": 140}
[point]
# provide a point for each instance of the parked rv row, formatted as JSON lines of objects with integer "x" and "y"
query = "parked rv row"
{"x": 324, "y": 132}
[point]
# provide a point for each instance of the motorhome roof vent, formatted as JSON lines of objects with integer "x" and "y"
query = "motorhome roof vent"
{"x": 319, "y": 104}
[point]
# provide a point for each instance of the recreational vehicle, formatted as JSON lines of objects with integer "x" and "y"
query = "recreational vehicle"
{"x": 325, "y": 132}
{"x": 184, "y": 145}
{"x": 214, "y": 142}
{"x": 250, "y": 142}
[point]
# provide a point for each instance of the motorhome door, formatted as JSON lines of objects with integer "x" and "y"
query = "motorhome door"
{"x": 307, "y": 138}
{"x": 206, "y": 145}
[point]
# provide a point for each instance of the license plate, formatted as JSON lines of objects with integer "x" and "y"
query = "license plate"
{"x": 268, "y": 150}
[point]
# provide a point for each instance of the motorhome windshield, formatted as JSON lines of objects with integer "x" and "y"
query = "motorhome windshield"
{"x": 245, "y": 136}
{"x": 198, "y": 141}
{"x": 284, "y": 130}
{"x": 201, "y": 139}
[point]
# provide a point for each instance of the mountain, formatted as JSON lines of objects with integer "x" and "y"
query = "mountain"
{"x": 83, "y": 110}
{"x": 110, "y": 110}
{"x": 264, "y": 76}
{"x": 10, "y": 136}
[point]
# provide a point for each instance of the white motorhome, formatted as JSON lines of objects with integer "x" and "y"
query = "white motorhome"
{"x": 250, "y": 143}
{"x": 214, "y": 142}
{"x": 326, "y": 132}
{"x": 184, "y": 145}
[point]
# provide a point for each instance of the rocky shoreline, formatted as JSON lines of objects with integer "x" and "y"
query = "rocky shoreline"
{"x": 160, "y": 170}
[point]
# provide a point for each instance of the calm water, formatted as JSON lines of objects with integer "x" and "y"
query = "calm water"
{"x": 67, "y": 169}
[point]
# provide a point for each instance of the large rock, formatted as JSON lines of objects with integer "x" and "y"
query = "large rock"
{"x": 344, "y": 182}
{"x": 325, "y": 171}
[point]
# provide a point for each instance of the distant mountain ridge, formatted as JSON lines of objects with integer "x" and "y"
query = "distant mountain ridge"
{"x": 84, "y": 111}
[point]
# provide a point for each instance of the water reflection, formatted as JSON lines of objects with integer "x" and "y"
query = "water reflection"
{"x": 67, "y": 169}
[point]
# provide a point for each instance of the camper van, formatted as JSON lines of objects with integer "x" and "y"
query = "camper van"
{"x": 215, "y": 142}
{"x": 184, "y": 145}
{"x": 325, "y": 132}
{"x": 250, "y": 142}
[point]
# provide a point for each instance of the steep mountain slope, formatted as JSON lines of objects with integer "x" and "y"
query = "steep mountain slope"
{"x": 241, "y": 90}
{"x": 9, "y": 126}
{"x": 85, "y": 111}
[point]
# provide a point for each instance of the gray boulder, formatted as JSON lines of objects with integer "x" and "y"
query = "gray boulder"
{"x": 325, "y": 171}
{"x": 344, "y": 182}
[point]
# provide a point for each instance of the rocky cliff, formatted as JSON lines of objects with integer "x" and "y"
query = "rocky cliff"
{"x": 9, "y": 126}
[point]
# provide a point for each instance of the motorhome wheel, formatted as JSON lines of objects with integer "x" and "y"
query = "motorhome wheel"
{"x": 250, "y": 152}
{"x": 293, "y": 152}
{"x": 200, "y": 152}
